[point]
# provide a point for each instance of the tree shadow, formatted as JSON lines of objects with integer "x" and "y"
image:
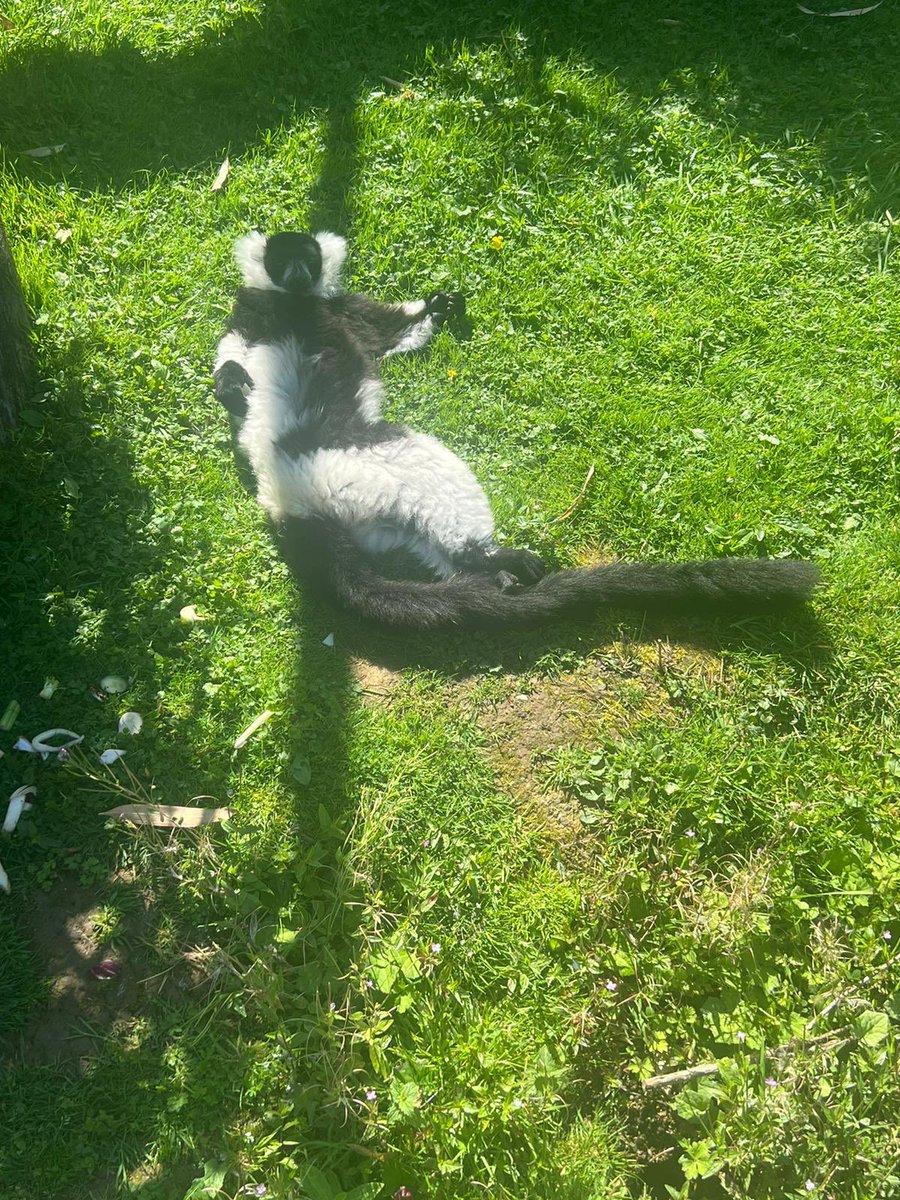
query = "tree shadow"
{"x": 125, "y": 115}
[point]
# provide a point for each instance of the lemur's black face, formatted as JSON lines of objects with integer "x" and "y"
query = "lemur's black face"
{"x": 293, "y": 261}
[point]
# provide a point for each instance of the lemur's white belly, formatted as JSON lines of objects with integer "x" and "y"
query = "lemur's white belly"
{"x": 389, "y": 494}
{"x": 411, "y": 491}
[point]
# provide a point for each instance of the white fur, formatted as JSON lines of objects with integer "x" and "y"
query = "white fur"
{"x": 415, "y": 336}
{"x": 411, "y": 491}
{"x": 250, "y": 249}
{"x": 248, "y": 254}
{"x": 334, "y": 251}
{"x": 231, "y": 348}
{"x": 369, "y": 397}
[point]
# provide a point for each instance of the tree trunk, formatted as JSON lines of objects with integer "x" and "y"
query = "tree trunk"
{"x": 15, "y": 348}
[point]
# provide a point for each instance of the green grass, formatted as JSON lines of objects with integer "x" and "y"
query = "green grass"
{"x": 389, "y": 969}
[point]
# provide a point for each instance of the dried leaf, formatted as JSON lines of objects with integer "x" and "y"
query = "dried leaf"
{"x": 168, "y": 816}
{"x": 63, "y": 235}
{"x": 9, "y": 715}
{"x": 189, "y": 614}
{"x": 108, "y": 757}
{"x": 131, "y": 722}
{"x": 18, "y": 802}
{"x": 8, "y": 25}
{"x": 328, "y": 640}
{"x": 219, "y": 181}
{"x": 243, "y": 738}
{"x": 45, "y": 151}
{"x": 844, "y": 12}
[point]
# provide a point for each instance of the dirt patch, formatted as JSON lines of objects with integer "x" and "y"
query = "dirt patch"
{"x": 528, "y": 719}
{"x": 376, "y": 683}
{"x": 81, "y": 1008}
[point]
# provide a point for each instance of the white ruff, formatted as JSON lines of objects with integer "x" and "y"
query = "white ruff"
{"x": 250, "y": 249}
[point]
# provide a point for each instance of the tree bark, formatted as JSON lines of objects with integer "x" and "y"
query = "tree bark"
{"x": 15, "y": 347}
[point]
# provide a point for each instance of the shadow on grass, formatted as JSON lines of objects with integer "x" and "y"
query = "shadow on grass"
{"x": 124, "y": 115}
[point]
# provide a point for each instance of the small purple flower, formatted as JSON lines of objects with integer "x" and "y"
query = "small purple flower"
{"x": 426, "y": 842}
{"x": 260, "y": 1189}
{"x": 369, "y": 985}
{"x": 402, "y": 1193}
{"x": 371, "y": 1095}
{"x": 809, "y": 1185}
{"x": 332, "y": 1006}
{"x": 887, "y": 935}
{"x": 435, "y": 947}
{"x": 108, "y": 969}
{"x": 611, "y": 985}
{"x": 770, "y": 1082}
{"x": 689, "y": 833}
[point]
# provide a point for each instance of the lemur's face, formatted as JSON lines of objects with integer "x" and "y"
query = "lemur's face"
{"x": 293, "y": 261}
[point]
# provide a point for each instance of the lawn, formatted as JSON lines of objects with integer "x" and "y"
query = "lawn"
{"x": 474, "y": 892}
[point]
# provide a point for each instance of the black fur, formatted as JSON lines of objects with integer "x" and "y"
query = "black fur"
{"x": 341, "y": 338}
{"x": 327, "y": 558}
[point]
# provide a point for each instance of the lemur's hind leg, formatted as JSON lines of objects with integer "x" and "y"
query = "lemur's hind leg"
{"x": 397, "y": 328}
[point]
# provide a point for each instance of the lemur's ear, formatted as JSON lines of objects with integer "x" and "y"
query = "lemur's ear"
{"x": 333, "y": 249}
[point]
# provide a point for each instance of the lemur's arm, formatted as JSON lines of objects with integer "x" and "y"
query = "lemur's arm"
{"x": 396, "y": 328}
{"x": 232, "y": 383}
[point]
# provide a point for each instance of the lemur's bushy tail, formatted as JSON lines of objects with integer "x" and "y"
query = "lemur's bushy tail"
{"x": 324, "y": 553}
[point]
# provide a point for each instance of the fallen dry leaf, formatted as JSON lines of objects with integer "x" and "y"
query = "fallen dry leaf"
{"x": 219, "y": 181}
{"x": 843, "y": 12}
{"x": 45, "y": 151}
{"x": 243, "y": 738}
{"x": 168, "y": 816}
{"x": 63, "y": 235}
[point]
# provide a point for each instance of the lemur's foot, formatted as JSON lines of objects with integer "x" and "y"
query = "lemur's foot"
{"x": 522, "y": 564}
{"x": 507, "y": 582}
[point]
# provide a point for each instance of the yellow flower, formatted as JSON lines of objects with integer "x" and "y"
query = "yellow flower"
{"x": 451, "y": 374}
{"x": 496, "y": 242}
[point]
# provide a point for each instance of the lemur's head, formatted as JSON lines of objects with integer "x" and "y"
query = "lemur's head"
{"x": 299, "y": 263}
{"x": 293, "y": 261}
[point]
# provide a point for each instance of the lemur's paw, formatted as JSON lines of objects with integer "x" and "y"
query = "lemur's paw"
{"x": 233, "y": 386}
{"x": 446, "y": 306}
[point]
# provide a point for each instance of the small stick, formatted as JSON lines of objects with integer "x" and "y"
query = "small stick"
{"x": 578, "y": 498}
{"x": 676, "y": 1078}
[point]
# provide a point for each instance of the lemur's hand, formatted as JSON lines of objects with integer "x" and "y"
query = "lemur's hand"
{"x": 445, "y": 306}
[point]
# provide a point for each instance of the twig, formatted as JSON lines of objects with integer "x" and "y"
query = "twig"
{"x": 677, "y": 1078}
{"x": 578, "y": 498}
